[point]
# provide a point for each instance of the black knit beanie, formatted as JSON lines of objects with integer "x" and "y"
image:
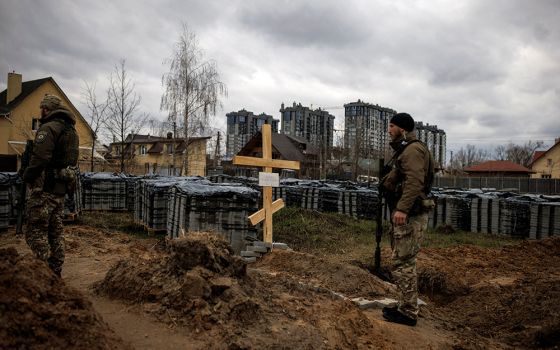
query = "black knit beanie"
{"x": 403, "y": 121}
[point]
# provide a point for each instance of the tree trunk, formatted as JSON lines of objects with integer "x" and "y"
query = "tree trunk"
{"x": 185, "y": 166}
{"x": 92, "y": 152}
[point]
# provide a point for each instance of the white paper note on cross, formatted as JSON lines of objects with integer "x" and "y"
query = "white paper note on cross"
{"x": 267, "y": 163}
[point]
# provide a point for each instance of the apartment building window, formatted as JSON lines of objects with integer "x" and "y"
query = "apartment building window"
{"x": 170, "y": 148}
{"x": 546, "y": 176}
{"x": 143, "y": 149}
{"x": 35, "y": 124}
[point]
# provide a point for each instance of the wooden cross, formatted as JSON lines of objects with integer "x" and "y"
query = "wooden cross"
{"x": 267, "y": 163}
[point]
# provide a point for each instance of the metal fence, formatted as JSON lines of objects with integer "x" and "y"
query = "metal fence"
{"x": 518, "y": 184}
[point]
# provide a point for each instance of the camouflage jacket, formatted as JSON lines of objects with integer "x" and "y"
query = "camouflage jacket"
{"x": 42, "y": 159}
{"x": 406, "y": 181}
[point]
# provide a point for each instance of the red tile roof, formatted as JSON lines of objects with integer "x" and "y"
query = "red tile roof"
{"x": 503, "y": 166}
{"x": 539, "y": 154}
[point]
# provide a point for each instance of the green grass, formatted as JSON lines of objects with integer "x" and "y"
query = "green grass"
{"x": 333, "y": 233}
{"x": 111, "y": 221}
{"x": 315, "y": 232}
{"x": 433, "y": 239}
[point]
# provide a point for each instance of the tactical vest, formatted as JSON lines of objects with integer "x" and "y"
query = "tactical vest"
{"x": 428, "y": 180}
{"x": 67, "y": 148}
{"x": 393, "y": 196}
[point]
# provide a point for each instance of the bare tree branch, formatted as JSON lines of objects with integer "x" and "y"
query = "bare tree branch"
{"x": 122, "y": 104}
{"x": 192, "y": 88}
{"x": 96, "y": 114}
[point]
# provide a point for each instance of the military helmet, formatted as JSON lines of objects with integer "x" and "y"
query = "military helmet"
{"x": 51, "y": 102}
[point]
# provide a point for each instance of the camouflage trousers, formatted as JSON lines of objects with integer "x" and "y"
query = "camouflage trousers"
{"x": 44, "y": 233}
{"x": 405, "y": 244}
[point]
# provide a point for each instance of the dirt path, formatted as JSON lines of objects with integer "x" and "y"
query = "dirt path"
{"x": 87, "y": 260}
{"x": 128, "y": 321}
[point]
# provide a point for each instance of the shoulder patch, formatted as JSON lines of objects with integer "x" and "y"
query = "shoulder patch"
{"x": 41, "y": 136}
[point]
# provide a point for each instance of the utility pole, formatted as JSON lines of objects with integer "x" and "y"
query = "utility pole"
{"x": 217, "y": 152}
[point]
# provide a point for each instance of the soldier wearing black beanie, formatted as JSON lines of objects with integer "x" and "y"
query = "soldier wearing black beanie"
{"x": 406, "y": 188}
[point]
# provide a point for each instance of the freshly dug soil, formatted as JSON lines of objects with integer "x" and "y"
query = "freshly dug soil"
{"x": 199, "y": 284}
{"x": 38, "y": 310}
{"x": 478, "y": 298}
{"x": 510, "y": 294}
{"x": 195, "y": 280}
{"x": 348, "y": 280}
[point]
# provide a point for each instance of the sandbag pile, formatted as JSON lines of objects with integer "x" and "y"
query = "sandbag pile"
{"x": 73, "y": 200}
{"x": 151, "y": 200}
{"x": 326, "y": 196}
{"x": 106, "y": 191}
{"x": 515, "y": 215}
{"x": 10, "y": 183}
{"x": 545, "y": 220}
{"x": 206, "y": 206}
{"x": 482, "y": 214}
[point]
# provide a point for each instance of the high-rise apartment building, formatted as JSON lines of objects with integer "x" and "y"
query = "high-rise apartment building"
{"x": 435, "y": 139}
{"x": 314, "y": 126}
{"x": 365, "y": 129}
{"x": 242, "y": 126}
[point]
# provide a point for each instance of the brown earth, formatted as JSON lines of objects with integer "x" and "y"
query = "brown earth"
{"x": 193, "y": 294}
{"x": 39, "y": 311}
{"x": 510, "y": 294}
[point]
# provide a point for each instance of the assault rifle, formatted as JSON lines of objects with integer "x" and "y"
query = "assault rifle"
{"x": 25, "y": 159}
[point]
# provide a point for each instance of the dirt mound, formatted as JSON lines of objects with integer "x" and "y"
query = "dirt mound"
{"x": 38, "y": 311}
{"x": 198, "y": 283}
{"x": 193, "y": 279}
{"x": 511, "y": 294}
{"x": 349, "y": 280}
{"x": 90, "y": 241}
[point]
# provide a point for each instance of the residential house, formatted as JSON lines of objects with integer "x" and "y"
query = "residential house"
{"x": 546, "y": 164}
{"x": 20, "y": 114}
{"x": 498, "y": 168}
{"x": 154, "y": 155}
{"x": 287, "y": 147}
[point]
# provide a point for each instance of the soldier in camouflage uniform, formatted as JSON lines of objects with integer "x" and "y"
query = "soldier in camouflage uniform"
{"x": 406, "y": 189}
{"x": 47, "y": 179}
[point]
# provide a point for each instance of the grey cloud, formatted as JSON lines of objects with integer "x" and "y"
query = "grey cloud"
{"x": 445, "y": 65}
{"x": 304, "y": 24}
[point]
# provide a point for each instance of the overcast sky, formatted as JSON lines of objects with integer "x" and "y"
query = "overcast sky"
{"x": 486, "y": 72}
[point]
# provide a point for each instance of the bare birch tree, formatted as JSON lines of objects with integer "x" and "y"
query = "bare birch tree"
{"x": 192, "y": 88}
{"x": 123, "y": 118}
{"x": 96, "y": 115}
